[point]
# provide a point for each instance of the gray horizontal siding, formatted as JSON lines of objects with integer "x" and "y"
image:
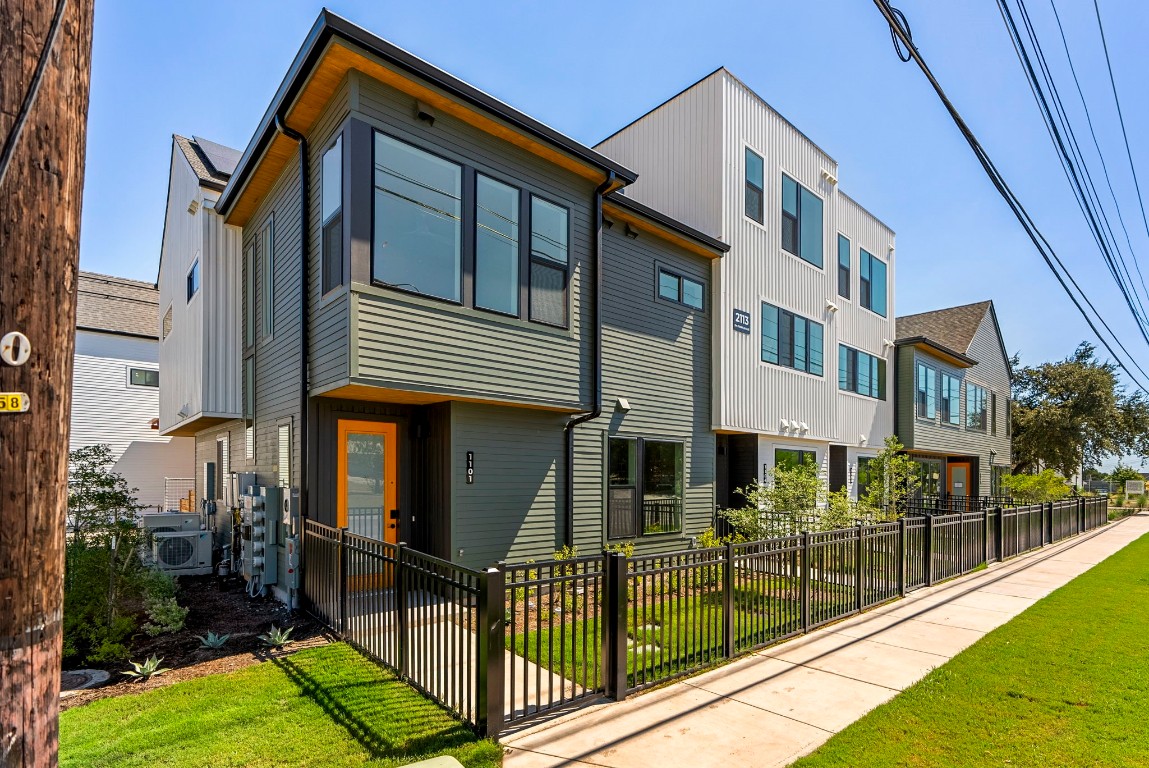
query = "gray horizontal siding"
{"x": 421, "y": 344}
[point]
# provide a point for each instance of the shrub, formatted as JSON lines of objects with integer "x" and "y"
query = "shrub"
{"x": 145, "y": 670}
{"x": 1045, "y": 486}
{"x": 566, "y": 553}
{"x": 624, "y": 548}
{"x": 838, "y": 512}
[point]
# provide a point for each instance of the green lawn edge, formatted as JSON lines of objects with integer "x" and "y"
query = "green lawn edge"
{"x": 326, "y": 706}
{"x": 1066, "y": 683}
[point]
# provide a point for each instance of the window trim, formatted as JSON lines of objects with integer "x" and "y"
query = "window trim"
{"x": 948, "y": 419}
{"x": 782, "y": 211}
{"x": 779, "y": 363}
{"x": 746, "y": 186}
{"x": 882, "y": 372}
{"x": 659, "y": 270}
{"x": 918, "y": 366}
{"x": 864, "y": 301}
{"x": 640, "y": 485}
{"x": 247, "y": 394}
{"x": 984, "y": 428}
{"x": 249, "y": 293}
{"x": 849, "y": 267}
{"x": 531, "y": 261}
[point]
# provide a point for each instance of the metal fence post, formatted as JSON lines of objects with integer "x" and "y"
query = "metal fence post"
{"x": 928, "y": 549}
{"x": 1081, "y": 514}
{"x": 902, "y": 556}
{"x": 614, "y": 634}
{"x": 401, "y": 608}
{"x": 341, "y": 577}
{"x": 805, "y": 581}
{"x": 999, "y": 532}
{"x": 961, "y": 542}
{"x": 985, "y": 533}
{"x": 728, "y": 603}
{"x": 492, "y": 656}
{"x": 859, "y": 586}
{"x": 1047, "y": 523}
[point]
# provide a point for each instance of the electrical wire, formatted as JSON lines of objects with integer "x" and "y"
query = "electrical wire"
{"x": 1039, "y": 240}
{"x": 17, "y": 129}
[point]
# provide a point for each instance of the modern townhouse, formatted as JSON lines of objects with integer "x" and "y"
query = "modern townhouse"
{"x": 804, "y": 300}
{"x": 459, "y": 335}
{"x": 953, "y": 396}
{"x": 115, "y": 385}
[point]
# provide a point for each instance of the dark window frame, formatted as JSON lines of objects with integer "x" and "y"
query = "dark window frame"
{"x": 866, "y": 282}
{"x": 193, "y": 280}
{"x": 751, "y": 188}
{"x": 851, "y": 380}
{"x": 149, "y": 374}
{"x": 796, "y": 219}
{"x": 331, "y": 227}
{"x": 267, "y": 278}
{"x": 469, "y": 222}
{"x": 639, "y": 486}
{"x": 925, "y": 397}
{"x": 975, "y": 394}
{"x": 950, "y": 400}
{"x": 844, "y": 270}
{"x": 787, "y": 353}
{"x": 681, "y": 280}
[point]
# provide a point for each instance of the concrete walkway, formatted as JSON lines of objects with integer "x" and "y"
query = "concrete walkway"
{"x": 771, "y": 707}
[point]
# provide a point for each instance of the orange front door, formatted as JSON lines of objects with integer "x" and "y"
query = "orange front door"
{"x": 957, "y": 478}
{"x": 368, "y": 492}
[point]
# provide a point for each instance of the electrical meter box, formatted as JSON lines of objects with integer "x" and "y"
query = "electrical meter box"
{"x": 291, "y": 563}
{"x": 259, "y": 532}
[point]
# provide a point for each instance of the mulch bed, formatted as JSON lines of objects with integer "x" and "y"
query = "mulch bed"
{"x": 211, "y": 609}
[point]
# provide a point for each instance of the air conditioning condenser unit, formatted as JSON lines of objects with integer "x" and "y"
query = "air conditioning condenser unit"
{"x": 182, "y": 553}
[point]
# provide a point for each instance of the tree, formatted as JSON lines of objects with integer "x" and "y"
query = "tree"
{"x": 1121, "y": 473}
{"x": 1074, "y": 412}
{"x": 45, "y": 57}
{"x": 789, "y": 490}
{"x": 894, "y": 480}
{"x": 1037, "y": 488}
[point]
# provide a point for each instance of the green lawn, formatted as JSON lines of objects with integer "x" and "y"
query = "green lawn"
{"x": 321, "y": 707}
{"x": 1064, "y": 684}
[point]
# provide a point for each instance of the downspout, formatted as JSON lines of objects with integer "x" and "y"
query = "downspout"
{"x": 596, "y": 409}
{"x": 305, "y": 303}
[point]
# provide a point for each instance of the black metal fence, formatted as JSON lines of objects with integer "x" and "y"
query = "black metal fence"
{"x": 513, "y": 643}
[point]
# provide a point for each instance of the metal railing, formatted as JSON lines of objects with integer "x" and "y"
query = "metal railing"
{"x": 513, "y": 643}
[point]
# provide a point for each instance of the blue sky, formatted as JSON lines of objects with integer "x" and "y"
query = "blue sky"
{"x": 211, "y": 68}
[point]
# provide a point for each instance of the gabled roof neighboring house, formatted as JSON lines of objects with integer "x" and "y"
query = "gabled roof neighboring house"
{"x": 117, "y": 305}
{"x": 952, "y": 329}
{"x": 115, "y": 387}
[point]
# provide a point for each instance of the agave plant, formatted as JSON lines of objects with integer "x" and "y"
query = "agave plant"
{"x": 212, "y": 641}
{"x": 145, "y": 670}
{"x": 276, "y": 638}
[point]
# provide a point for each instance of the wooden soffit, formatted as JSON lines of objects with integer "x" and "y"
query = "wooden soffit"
{"x": 618, "y": 213}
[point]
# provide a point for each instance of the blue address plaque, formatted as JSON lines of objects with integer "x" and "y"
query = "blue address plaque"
{"x": 741, "y": 321}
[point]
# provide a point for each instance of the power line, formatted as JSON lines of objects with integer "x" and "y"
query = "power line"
{"x": 1040, "y": 242}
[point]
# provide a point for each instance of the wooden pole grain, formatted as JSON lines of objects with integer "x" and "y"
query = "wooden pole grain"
{"x": 40, "y": 197}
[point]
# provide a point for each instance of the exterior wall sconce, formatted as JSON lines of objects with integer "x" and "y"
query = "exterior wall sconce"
{"x": 829, "y": 177}
{"x": 424, "y": 113}
{"x": 831, "y": 306}
{"x": 622, "y": 405}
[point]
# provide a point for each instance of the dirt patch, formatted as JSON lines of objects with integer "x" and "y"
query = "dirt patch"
{"x": 226, "y": 611}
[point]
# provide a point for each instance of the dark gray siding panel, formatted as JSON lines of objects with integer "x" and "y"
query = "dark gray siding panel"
{"x": 904, "y": 381}
{"x": 513, "y": 510}
{"x": 422, "y": 344}
{"x": 656, "y": 355}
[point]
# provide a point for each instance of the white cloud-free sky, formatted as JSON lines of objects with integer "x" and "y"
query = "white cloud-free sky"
{"x": 210, "y": 69}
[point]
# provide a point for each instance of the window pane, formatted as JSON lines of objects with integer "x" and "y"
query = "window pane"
{"x": 815, "y": 354}
{"x": 800, "y": 343}
{"x": 692, "y": 294}
{"x": 754, "y": 169}
{"x": 143, "y": 377}
{"x": 668, "y": 286}
{"x": 931, "y": 393}
{"x": 878, "y": 287}
{"x": 496, "y": 246}
{"x": 622, "y": 496}
{"x": 881, "y": 378}
{"x": 548, "y": 231}
{"x": 754, "y": 186}
{"x": 754, "y": 203}
{"x": 769, "y": 333}
{"x": 786, "y": 338}
{"x": 789, "y": 234}
{"x": 548, "y": 294}
{"x": 843, "y": 267}
{"x": 622, "y": 461}
{"x": 843, "y": 379}
{"x": 789, "y": 196}
{"x": 418, "y": 229}
{"x": 864, "y": 377}
{"x": 267, "y": 240}
{"x": 332, "y": 195}
{"x": 193, "y": 280}
{"x": 811, "y": 228}
{"x": 662, "y": 487}
{"x": 366, "y": 484}
{"x": 333, "y": 253}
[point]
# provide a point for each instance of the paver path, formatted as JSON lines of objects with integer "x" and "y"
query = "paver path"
{"x": 773, "y": 706}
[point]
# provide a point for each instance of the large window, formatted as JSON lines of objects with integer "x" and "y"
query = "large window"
{"x": 675, "y": 287}
{"x": 861, "y": 372}
{"x": 951, "y": 400}
{"x": 843, "y": 266}
{"x": 930, "y": 475}
{"x": 249, "y": 406}
{"x": 992, "y": 413}
{"x": 249, "y": 295}
{"x": 801, "y": 222}
{"x": 550, "y": 262}
{"x": 975, "y": 408}
{"x": 331, "y": 215}
{"x": 267, "y": 241}
{"x": 648, "y": 470}
{"x": 792, "y": 458}
{"x": 193, "y": 280}
{"x": 867, "y": 475}
{"x": 791, "y": 340}
{"x": 872, "y": 282}
{"x": 925, "y": 399}
{"x": 418, "y": 242}
{"x": 754, "y": 186}
{"x": 496, "y": 246}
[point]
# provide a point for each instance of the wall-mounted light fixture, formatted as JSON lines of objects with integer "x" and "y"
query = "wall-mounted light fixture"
{"x": 831, "y": 306}
{"x": 829, "y": 177}
{"x": 424, "y": 113}
{"x": 622, "y": 405}
{"x": 631, "y": 232}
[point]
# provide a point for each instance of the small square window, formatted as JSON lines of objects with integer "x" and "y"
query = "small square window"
{"x": 143, "y": 377}
{"x": 193, "y": 280}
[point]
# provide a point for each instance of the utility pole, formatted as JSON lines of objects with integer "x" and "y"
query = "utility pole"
{"x": 45, "y": 66}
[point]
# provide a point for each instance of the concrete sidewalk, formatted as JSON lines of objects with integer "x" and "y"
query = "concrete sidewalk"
{"x": 771, "y": 707}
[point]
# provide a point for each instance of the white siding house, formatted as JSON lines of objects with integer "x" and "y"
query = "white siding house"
{"x": 115, "y": 388}
{"x": 719, "y": 158}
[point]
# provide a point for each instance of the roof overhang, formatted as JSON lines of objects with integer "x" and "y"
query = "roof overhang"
{"x": 334, "y": 47}
{"x": 649, "y": 220}
{"x": 931, "y": 347}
